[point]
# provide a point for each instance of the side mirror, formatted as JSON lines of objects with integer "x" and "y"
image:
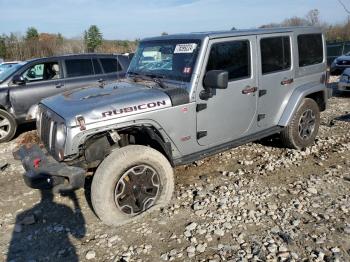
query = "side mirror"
{"x": 216, "y": 79}
{"x": 18, "y": 80}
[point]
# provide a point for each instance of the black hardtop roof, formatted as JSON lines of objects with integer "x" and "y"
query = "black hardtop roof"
{"x": 232, "y": 33}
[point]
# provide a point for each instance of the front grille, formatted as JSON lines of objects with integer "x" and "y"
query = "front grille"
{"x": 48, "y": 131}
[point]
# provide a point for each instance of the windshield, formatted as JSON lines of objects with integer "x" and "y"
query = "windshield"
{"x": 5, "y": 74}
{"x": 170, "y": 59}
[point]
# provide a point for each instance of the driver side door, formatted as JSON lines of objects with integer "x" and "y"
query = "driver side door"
{"x": 231, "y": 112}
{"x": 40, "y": 81}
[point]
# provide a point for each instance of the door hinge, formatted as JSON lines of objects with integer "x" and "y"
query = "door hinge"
{"x": 201, "y": 134}
{"x": 262, "y": 92}
{"x": 201, "y": 107}
{"x": 261, "y": 117}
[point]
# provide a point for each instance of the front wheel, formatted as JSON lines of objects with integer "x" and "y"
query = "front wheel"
{"x": 303, "y": 128}
{"x": 8, "y": 126}
{"x": 131, "y": 182}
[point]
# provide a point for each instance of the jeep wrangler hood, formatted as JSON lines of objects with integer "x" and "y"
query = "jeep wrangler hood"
{"x": 103, "y": 103}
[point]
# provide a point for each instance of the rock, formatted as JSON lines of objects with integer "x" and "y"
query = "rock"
{"x": 312, "y": 190}
{"x": 190, "y": 255}
{"x": 164, "y": 257}
{"x": 219, "y": 232}
{"x": 201, "y": 248}
{"x": 335, "y": 250}
{"x": 191, "y": 226}
{"x": 191, "y": 249}
{"x": 272, "y": 248}
{"x": 90, "y": 255}
{"x": 113, "y": 239}
{"x": 347, "y": 230}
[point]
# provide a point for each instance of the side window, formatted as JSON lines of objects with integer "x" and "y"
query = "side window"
{"x": 97, "y": 67}
{"x": 275, "y": 54}
{"x": 110, "y": 65}
{"x": 79, "y": 67}
{"x": 233, "y": 57}
{"x": 42, "y": 72}
{"x": 310, "y": 49}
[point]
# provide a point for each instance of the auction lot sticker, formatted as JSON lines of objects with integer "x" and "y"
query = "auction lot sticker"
{"x": 185, "y": 48}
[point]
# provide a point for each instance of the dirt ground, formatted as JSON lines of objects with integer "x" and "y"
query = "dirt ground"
{"x": 258, "y": 202}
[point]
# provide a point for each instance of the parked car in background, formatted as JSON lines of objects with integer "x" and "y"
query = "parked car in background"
{"x": 25, "y": 84}
{"x": 344, "y": 81}
{"x": 340, "y": 64}
{"x": 4, "y": 66}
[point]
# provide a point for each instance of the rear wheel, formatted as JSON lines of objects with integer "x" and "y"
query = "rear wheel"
{"x": 8, "y": 126}
{"x": 302, "y": 130}
{"x": 131, "y": 182}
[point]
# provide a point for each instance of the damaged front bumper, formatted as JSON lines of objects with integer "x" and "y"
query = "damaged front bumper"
{"x": 43, "y": 172}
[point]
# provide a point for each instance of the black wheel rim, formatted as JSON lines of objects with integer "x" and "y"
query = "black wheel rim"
{"x": 137, "y": 189}
{"x": 5, "y": 127}
{"x": 307, "y": 124}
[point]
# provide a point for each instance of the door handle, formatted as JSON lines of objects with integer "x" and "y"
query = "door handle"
{"x": 59, "y": 85}
{"x": 249, "y": 89}
{"x": 287, "y": 81}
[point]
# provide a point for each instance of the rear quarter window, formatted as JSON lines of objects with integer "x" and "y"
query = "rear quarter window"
{"x": 110, "y": 65}
{"x": 79, "y": 67}
{"x": 310, "y": 48}
{"x": 275, "y": 54}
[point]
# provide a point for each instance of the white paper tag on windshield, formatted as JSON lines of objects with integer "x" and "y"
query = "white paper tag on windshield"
{"x": 185, "y": 48}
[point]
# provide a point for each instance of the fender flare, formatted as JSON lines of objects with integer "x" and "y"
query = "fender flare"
{"x": 165, "y": 146}
{"x": 297, "y": 97}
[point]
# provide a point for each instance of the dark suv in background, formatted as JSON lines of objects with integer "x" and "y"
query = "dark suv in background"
{"x": 23, "y": 86}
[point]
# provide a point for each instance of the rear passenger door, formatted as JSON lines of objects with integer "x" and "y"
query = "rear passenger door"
{"x": 80, "y": 72}
{"x": 276, "y": 77}
{"x": 112, "y": 69}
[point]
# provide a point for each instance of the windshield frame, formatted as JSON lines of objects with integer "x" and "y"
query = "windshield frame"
{"x": 134, "y": 65}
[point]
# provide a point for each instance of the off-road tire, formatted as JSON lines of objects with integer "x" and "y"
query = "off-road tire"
{"x": 10, "y": 128}
{"x": 112, "y": 169}
{"x": 290, "y": 135}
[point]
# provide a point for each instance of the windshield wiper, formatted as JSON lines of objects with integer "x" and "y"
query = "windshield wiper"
{"x": 157, "y": 79}
{"x": 152, "y": 77}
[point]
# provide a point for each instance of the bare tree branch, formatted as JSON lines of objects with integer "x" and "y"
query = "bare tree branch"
{"x": 344, "y": 6}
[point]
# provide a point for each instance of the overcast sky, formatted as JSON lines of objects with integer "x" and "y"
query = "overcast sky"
{"x": 130, "y": 19}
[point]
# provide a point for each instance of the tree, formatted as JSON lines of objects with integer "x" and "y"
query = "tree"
{"x": 60, "y": 39}
{"x": 164, "y": 33}
{"x": 32, "y": 34}
{"x": 313, "y": 17}
{"x": 92, "y": 38}
{"x": 2, "y": 46}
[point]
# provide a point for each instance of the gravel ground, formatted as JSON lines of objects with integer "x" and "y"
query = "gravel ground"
{"x": 258, "y": 202}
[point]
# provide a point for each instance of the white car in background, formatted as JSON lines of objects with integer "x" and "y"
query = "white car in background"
{"x": 344, "y": 81}
{"x": 7, "y": 65}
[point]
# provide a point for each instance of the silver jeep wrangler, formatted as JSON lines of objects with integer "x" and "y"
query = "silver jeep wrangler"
{"x": 185, "y": 97}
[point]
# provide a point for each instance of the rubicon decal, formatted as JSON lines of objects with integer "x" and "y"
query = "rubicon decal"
{"x": 131, "y": 109}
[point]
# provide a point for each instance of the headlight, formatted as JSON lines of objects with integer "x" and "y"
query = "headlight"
{"x": 61, "y": 133}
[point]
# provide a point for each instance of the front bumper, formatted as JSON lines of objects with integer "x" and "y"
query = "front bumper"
{"x": 43, "y": 172}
